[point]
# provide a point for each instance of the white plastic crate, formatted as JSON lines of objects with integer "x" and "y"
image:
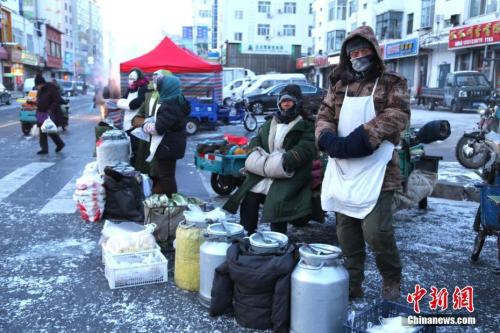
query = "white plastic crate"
{"x": 135, "y": 269}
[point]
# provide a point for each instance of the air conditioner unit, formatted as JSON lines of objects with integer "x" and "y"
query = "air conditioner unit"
{"x": 269, "y": 15}
{"x": 279, "y": 33}
{"x": 279, "y": 11}
{"x": 268, "y": 38}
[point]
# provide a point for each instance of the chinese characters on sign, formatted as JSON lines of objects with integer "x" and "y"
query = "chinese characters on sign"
{"x": 400, "y": 49}
{"x": 463, "y": 298}
{"x": 187, "y": 33}
{"x": 474, "y": 35}
{"x": 267, "y": 49}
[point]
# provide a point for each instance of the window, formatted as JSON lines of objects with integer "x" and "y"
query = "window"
{"x": 266, "y": 84}
{"x": 334, "y": 40}
{"x": 288, "y": 30}
{"x": 66, "y": 19}
{"x": 263, "y": 29}
{"x": 264, "y": 7}
{"x": 389, "y": 25}
{"x": 65, "y": 6}
{"x": 29, "y": 42}
{"x": 204, "y": 13}
{"x": 409, "y": 24}
{"x": 353, "y": 7}
{"x": 238, "y": 36}
{"x": 310, "y": 8}
{"x": 307, "y": 89}
{"x": 290, "y": 8}
{"x": 481, "y": 7}
{"x": 309, "y": 31}
{"x": 427, "y": 13}
{"x": 337, "y": 10}
{"x": 238, "y": 14}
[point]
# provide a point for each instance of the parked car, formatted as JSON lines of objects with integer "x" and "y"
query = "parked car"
{"x": 263, "y": 82}
{"x": 267, "y": 100}
{"x": 463, "y": 90}
{"x": 234, "y": 90}
{"x": 68, "y": 88}
{"x": 4, "y": 95}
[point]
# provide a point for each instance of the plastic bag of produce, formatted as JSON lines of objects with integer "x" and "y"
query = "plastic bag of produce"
{"x": 48, "y": 126}
{"x": 112, "y": 148}
{"x": 196, "y": 215}
{"x": 90, "y": 194}
{"x": 127, "y": 237}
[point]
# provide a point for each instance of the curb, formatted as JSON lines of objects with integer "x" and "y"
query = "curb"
{"x": 455, "y": 191}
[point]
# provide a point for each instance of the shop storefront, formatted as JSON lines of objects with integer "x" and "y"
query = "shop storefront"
{"x": 317, "y": 69}
{"x": 22, "y": 65}
{"x": 403, "y": 57}
{"x": 477, "y": 48}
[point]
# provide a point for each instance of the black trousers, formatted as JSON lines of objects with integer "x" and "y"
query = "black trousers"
{"x": 165, "y": 182}
{"x": 249, "y": 214}
{"x": 44, "y": 144}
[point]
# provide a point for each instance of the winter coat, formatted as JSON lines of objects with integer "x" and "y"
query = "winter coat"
{"x": 288, "y": 199}
{"x": 256, "y": 286}
{"x": 391, "y": 99}
{"x": 49, "y": 101}
{"x": 145, "y": 111}
{"x": 171, "y": 120}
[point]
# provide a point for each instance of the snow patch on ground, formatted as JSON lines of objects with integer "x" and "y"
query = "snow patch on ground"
{"x": 453, "y": 172}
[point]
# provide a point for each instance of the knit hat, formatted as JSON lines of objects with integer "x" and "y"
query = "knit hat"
{"x": 168, "y": 86}
{"x": 39, "y": 80}
{"x": 357, "y": 43}
{"x": 291, "y": 92}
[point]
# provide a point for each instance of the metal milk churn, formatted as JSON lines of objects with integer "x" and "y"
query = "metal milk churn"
{"x": 218, "y": 238}
{"x": 320, "y": 290}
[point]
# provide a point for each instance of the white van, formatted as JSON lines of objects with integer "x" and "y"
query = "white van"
{"x": 28, "y": 85}
{"x": 265, "y": 81}
{"x": 230, "y": 74}
{"x": 234, "y": 89}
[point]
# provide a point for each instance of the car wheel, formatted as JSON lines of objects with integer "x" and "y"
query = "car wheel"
{"x": 26, "y": 128}
{"x": 258, "y": 108}
{"x": 192, "y": 126}
{"x": 454, "y": 107}
{"x": 430, "y": 104}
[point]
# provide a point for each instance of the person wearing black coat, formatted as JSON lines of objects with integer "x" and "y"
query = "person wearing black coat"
{"x": 255, "y": 286}
{"x": 169, "y": 129}
{"x": 48, "y": 105}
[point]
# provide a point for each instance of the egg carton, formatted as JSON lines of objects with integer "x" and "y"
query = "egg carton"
{"x": 135, "y": 269}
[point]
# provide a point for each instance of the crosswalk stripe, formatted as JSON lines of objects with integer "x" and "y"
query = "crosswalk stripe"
{"x": 62, "y": 202}
{"x": 16, "y": 179}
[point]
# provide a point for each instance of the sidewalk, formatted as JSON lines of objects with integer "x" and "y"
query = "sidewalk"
{"x": 456, "y": 182}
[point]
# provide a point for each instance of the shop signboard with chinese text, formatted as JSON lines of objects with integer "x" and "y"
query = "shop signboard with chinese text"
{"x": 400, "y": 49}
{"x": 475, "y": 35}
{"x": 266, "y": 49}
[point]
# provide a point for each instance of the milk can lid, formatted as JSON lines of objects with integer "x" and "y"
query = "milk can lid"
{"x": 320, "y": 251}
{"x": 219, "y": 229}
{"x": 268, "y": 239}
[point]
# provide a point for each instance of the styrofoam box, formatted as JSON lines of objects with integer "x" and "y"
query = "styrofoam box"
{"x": 135, "y": 269}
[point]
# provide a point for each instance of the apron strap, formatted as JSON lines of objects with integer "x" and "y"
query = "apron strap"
{"x": 374, "y": 87}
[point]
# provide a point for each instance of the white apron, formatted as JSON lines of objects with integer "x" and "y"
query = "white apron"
{"x": 128, "y": 114}
{"x": 352, "y": 186}
{"x": 155, "y": 139}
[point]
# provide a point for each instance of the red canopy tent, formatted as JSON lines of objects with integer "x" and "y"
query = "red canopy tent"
{"x": 199, "y": 78}
{"x": 167, "y": 55}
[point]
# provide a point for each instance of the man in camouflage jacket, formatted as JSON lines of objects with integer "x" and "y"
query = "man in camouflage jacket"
{"x": 360, "y": 50}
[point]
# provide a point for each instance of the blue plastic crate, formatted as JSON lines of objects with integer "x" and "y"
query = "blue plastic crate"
{"x": 490, "y": 211}
{"x": 27, "y": 116}
{"x": 385, "y": 309}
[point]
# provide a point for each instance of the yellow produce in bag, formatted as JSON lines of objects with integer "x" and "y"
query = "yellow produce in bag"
{"x": 188, "y": 239}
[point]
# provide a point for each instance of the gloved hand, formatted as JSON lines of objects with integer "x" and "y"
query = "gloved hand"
{"x": 354, "y": 145}
{"x": 149, "y": 128}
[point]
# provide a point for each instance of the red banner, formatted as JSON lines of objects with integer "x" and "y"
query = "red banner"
{"x": 475, "y": 35}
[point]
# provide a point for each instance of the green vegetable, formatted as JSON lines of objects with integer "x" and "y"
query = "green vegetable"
{"x": 179, "y": 200}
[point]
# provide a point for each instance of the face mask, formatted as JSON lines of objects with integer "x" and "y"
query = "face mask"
{"x": 130, "y": 83}
{"x": 362, "y": 64}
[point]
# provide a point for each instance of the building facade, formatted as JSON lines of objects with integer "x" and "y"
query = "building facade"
{"x": 423, "y": 40}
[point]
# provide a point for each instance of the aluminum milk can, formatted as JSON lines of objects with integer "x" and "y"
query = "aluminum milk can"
{"x": 218, "y": 238}
{"x": 320, "y": 290}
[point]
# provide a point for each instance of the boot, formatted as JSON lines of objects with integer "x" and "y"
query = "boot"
{"x": 356, "y": 292}
{"x": 391, "y": 290}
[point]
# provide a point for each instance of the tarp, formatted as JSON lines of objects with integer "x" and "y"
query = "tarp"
{"x": 167, "y": 55}
{"x": 199, "y": 78}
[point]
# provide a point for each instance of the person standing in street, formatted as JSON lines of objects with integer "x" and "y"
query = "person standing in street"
{"x": 358, "y": 126}
{"x": 279, "y": 168}
{"x": 168, "y": 133}
{"x": 48, "y": 105}
{"x": 148, "y": 110}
